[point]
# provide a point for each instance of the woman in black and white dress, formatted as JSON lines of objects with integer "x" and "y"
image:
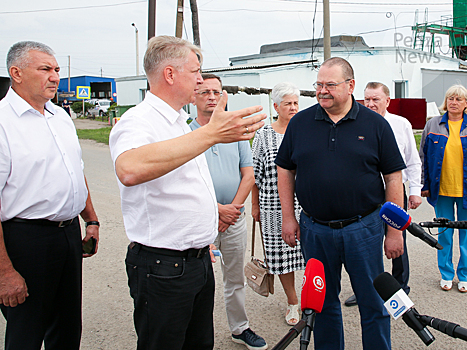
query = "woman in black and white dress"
{"x": 266, "y": 207}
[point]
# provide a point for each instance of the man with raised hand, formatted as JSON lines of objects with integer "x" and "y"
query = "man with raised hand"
{"x": 168, "y": 201}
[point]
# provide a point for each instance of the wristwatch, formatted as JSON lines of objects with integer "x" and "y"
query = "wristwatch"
{"x": 89, "y": 223}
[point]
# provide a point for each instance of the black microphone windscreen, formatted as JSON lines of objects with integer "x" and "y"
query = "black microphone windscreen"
{"x": 386, "y": 286}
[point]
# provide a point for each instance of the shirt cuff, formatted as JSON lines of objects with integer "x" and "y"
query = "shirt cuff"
{"x": 415, "y": 191}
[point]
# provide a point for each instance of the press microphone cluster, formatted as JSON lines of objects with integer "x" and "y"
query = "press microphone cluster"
{"x": 313, "y": 293}
{"x": 398, "y": 218}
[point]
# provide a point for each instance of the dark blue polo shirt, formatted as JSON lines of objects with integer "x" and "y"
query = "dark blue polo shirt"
{"x": 339, "y": 166}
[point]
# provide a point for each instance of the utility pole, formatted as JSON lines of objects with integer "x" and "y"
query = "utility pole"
{"x": 327, "y": 30}
{"x": 151, "y": 19}
{"x": 195, "y": 22}
{"x": 69, "y": 73}
{"x": 179, "y": 25}
{"x": 151, "y": 24}
{"x": 137, "y": 49}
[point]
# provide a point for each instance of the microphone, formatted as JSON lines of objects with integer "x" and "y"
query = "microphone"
{"x": 398, "y": 218}
{"x": 449, "y": 328}
{"x": 313, "y": 293}
{"x": 398, "y": 304}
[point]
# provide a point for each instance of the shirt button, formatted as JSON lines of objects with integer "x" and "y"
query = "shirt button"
{"x": 332, "y": 139}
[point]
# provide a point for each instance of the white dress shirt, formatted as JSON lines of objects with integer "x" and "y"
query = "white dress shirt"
{"x": 406, "y": 141}
{"x": 41, "y": 171}
{"x": 178, "y": 210}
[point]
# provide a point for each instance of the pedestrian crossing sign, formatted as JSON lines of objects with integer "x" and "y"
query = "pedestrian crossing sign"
{"x": 83, "y": 92}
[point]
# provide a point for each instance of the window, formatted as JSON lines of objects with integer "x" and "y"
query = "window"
{"x": 400, "y": 88}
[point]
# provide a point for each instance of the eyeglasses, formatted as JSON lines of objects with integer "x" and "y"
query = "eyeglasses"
{"x": 208, "y": 93}
{"x": 329, "y": 86}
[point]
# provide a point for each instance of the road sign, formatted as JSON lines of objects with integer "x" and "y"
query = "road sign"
{"x": 83, "y": 92}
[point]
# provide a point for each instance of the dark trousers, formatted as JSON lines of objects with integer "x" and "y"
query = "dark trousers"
{"x": 358, "y": 247}
{"x": 400, "y": 265}
{"x": 50, "y": 261}
{"x": 173, "y": 300}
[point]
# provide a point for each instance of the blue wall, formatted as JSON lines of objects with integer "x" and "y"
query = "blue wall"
{"x": 84, "y": 80}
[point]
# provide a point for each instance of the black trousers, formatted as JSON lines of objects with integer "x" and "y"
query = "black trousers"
{"x": 173, "y": 300}
{"x": 50, "y": 261}
{"x": 400, "y": 265}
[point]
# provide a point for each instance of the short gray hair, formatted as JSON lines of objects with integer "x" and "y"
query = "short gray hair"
{"x": 374, "y": 85}
{"x": 18, "y": 55}
{"x": 455, "y": 90}
{"x": 166, "y": 49}
{"x": 347, "y": 70}
{"x": 283, "y": 89}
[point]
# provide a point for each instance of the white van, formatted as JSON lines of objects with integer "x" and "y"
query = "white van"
{"x": 100, "y": 107}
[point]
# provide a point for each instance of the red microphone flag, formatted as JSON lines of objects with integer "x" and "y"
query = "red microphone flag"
{"x": 313, "y": 286}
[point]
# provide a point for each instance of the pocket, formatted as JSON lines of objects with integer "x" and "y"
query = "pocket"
{"x": 166, "y": 269}
{"x": 305, "y": 222}
{"x": 132, "y": 273}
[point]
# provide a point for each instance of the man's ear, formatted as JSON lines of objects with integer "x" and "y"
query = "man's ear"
{"x": 16, "y": 74}
{"x": 169, "y": 74}
{"x": 351, "y": 86}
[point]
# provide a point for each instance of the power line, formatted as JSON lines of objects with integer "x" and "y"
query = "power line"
{"x": 375, "y": 4}
{"x": 72, "y": 8}
{"x": 309, "y": 11}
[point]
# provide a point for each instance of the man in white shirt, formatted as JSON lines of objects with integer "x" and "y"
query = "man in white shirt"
{"x": 168, "y": 202}
{"x": 42, "y": 191}
{"x": 377, "y": 99}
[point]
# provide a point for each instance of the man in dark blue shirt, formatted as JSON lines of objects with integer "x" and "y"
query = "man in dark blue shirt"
{"x": 333, "y": 155}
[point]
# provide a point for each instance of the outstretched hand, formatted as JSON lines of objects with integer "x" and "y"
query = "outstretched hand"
{"x": 232, "y": 126}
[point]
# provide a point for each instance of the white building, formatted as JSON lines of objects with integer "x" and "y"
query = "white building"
{"x": 407, "y": 72}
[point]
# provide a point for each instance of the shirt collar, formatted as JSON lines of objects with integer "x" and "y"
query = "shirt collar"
{"x": 352, "y": 114}
{"x": 165, "y": 109}
{"x": 445, "y": 120}
{"x": 20, "y": 106}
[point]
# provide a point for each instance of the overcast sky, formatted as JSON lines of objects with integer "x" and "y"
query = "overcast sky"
{"x": 99, "y": 38}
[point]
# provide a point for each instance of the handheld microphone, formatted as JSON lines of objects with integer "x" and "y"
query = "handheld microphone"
{"x": 313, "y": 293}
{"x": 398, "y": 218}
{"x": 398, "y": 304}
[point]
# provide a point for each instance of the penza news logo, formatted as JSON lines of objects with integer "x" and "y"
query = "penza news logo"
{"x": 398, "y": 304}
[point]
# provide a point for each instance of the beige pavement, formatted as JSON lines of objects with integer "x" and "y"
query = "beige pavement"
{"x": 107, "y": 306}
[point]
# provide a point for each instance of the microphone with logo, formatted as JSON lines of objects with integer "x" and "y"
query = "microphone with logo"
{"x": 398, "y": 304}
{"x": 396, "y": 217}
{"x": 313, "y": 293}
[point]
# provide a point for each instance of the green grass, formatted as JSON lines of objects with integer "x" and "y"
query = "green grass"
{"x": 99, "y": 135}
{"x": 418, "y": 138}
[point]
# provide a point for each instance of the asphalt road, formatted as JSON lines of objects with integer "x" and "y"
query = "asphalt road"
{"x": 107, "y": 306}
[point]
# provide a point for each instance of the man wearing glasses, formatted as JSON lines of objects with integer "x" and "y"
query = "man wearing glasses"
{"x": 333, "y": 155}
{"x": 231, "y": 168}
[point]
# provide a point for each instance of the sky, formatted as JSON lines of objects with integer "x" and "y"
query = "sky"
{"x": 99, "y": 38}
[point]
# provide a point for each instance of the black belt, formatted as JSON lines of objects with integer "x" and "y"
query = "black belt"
{"x": 337, "y": 224}
{"x": 192, "y": 252}
{"x": 42, "y": 222}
